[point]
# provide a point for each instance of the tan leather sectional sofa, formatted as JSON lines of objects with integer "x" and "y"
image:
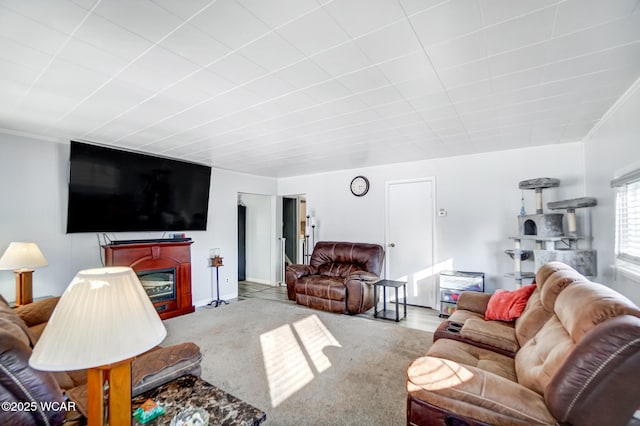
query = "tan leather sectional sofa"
{"x": 572, "y": 358}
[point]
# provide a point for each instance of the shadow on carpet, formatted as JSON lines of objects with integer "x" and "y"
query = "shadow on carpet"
{"x": 303, "y": 366}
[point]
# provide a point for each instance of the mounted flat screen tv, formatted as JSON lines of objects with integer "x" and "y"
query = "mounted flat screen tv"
{"x": 111, "y": 190}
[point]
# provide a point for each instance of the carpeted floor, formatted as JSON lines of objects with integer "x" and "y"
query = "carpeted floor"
{"x": 302, "y": 366}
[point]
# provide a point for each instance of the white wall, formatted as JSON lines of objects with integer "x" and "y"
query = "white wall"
{"x": 480, "y": 193}
{"x": 610, "y": 150}
{"x": 33, "y": 179}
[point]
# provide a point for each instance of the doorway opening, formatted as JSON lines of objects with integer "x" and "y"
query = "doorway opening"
{"x": 294, "y": 225}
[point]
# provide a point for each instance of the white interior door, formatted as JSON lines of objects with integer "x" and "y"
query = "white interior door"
{"x": 410, "y": 239}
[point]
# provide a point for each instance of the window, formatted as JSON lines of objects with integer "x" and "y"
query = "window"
{"x": 627, "y": 245}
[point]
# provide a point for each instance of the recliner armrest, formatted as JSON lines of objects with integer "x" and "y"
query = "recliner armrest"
{"x": 301, "y": 270}
{"x": 363, "y": 276}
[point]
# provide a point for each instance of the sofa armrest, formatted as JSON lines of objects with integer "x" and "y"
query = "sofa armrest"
{"x": 474, "y": 393}
{"x": 473, "y": 301}
{"x": 37, "y": 312}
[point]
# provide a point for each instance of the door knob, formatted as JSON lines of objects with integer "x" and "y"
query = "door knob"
{"x": 392, "y": 245}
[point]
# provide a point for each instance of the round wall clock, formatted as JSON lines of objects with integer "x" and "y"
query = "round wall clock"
{"x": 359, "y": 186}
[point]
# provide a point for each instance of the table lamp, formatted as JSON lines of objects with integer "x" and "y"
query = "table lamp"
{"x": 23, "y": 258}
{"x": 102, "y": 321}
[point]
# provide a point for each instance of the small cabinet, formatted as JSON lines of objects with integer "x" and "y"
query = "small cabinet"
{"x": 452, "y": 283}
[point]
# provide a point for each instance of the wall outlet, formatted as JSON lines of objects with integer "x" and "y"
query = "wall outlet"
{"x": 442, "y": 213}
{"x": 226, "y": 280}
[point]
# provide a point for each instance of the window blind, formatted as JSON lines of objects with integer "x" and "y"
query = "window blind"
{"x": 628, "y": 220}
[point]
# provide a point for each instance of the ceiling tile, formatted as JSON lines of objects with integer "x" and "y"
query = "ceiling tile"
{"x": 230, "y": 23}
{"x": 303, "y": 74}
{"x": 237, "y": 68}
{"x": 391, "y": 42}
{"x": 111, "y": 38}
{"x": 209, "y": 82}
{"x": 182, "y": 9}
{"x": 457, "y": 51}
{"x": 514, "y": 34}
{"x": 195, "y": 45}
{"x": 14, "y": 52}
{"x": 463, "y": 75}
{"x": 415, "y": 6}
{"x": 364, "y": 79}
{"x": 447, "y": 20}
{"x": 30, "y": 33}
{"x": 156, "y": 24}
{"x": 314, "y": 33}
{"x": 358, "y": 17}
{"x": 531, "y": 56}
{"x": 269, "y": 87}
{"x": 327, "y": 91}
{"x": 342, "y": 59}
{"x": 278, "y": 12}
{"x": 272, "y": 52}
{"x": 575, "y": 15}
{"x": 606, "y": 36}
{"x": 62, "y": 16}
{"x": 415, "y": 66}
{"x": 496, "y": 11}
{"x": 87, "y": 56}
{"x": 69, "y": 80}
{"x": 157, "y": 69}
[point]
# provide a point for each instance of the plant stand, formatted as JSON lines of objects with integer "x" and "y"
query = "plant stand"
{"x": 216, "y": 262}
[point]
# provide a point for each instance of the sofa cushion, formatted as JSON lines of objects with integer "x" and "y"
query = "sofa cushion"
{"x": 538, "y": 360}
{"x": 507, "y": 305}
{"x": 532, "y": 319}
{"x": 490, "y": 333}
{"x": 464, "y": 353}
{"x": 475, "y": 393}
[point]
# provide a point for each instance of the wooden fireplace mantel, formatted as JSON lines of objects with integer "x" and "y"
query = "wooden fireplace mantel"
{"x": 151, "y": 256}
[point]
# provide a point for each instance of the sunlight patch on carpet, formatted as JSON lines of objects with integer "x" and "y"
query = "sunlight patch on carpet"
{"x": 291, "y": 353}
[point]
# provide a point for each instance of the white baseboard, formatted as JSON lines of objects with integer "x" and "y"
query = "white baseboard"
{"x": 261, "y": 281}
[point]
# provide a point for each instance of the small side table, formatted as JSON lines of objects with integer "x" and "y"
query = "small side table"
{"x": 389, "y": 314}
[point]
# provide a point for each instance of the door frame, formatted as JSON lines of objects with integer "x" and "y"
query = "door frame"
{"x": 432, "y": 181}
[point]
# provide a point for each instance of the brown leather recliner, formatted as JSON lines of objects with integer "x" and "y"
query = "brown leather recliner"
{"x": 339, "y": 277}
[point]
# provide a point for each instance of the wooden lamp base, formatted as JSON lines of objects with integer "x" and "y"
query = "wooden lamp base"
{"x": 118, "y": 410}
{"x": 24, "y": 286}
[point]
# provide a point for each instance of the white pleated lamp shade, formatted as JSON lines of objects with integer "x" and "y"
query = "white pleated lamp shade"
{"x": 22, "y": 256}
{"x": 103, "y": 317}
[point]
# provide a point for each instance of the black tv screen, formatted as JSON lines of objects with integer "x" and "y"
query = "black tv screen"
{"x": 112, "y": 190}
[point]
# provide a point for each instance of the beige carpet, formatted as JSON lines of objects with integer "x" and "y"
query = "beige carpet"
{"x": 302, "y": 366}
